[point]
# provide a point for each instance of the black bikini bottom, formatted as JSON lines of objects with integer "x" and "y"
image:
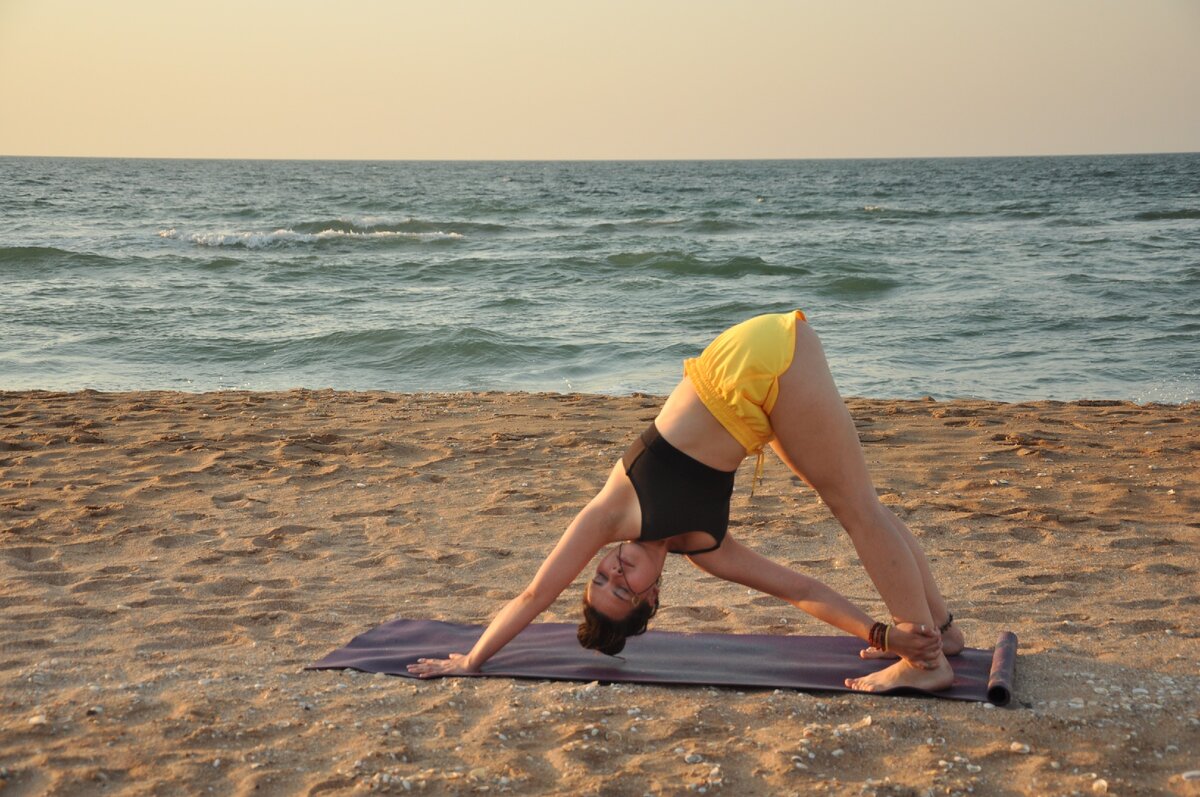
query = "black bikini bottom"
{"x": 676, "y": 493}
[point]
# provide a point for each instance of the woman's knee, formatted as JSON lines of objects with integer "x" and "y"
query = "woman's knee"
{"x": 859, "y": 511}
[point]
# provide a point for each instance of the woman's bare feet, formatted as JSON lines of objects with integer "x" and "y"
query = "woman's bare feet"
{"x": 952, "y": 641}
{"x": 904, "y": 674}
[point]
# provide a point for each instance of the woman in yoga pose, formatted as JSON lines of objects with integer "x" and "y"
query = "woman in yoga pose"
{"x": 763, "y": 381}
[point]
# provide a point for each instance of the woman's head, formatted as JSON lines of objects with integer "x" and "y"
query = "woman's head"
{"x": 620, "y": 600}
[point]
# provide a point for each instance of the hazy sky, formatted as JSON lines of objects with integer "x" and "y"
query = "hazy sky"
{"x": 549, "y": 79}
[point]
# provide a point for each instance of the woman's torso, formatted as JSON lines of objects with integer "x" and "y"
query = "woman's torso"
{"x": 688, "y": 425}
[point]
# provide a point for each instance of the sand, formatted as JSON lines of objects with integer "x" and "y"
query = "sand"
{"x": 170, "y": 562}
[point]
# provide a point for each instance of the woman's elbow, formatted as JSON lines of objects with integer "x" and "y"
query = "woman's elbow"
{"x": 535, "y": 597}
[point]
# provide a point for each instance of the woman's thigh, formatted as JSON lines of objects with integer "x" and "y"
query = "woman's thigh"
{"x": 814, "y": 433}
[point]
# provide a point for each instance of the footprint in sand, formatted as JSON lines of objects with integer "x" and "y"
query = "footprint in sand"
{"x": 953, "y": 412}
{"x": 466, "y": 590}
{"x": 343, "y": 516}
{"x": 102, "y": 510}
{"x": 1027, "y": 535}
{"x": 1164, "y": 569}
{"x": 1145, "y": 603}
{"x": 1136, "y": 543}
{"x": 281, "y": 534}
{"x": 228, "y": 587}
{"x": 1145, "y": 626}
{"x": 32, "y": 558}
{"x": 1039, "y": 579}
{"x": 703, "y": 613}
{"x": 169, "y": 541}
{"x": 1047, "y": 578}
{"x": 52, "y": 579}
{"x": 116, "y": 570}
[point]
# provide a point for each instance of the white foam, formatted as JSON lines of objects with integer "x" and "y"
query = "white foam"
{"x": 257, "y": 240}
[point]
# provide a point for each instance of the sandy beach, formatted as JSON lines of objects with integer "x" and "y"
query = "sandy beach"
{"x": 170, "y": 562}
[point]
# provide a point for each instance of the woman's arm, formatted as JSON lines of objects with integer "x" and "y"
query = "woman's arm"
{"x": 741, "y": 565}
{"x": 592, "y": 529}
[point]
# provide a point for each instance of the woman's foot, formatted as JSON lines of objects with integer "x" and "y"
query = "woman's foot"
{"x": 952, "y": 644}
{"x": 904, "y": 674}
{"x": 953, "y": 641}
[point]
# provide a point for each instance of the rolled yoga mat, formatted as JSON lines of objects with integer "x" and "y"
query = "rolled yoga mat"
{"x": 549, "y": 651}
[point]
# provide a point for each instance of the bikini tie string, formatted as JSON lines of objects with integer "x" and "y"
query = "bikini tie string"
{"x": 758, "y": 471}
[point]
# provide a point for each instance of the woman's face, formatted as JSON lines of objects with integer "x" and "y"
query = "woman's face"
{"x": 625, "y": 577}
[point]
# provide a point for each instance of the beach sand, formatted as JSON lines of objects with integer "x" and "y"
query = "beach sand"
{"x": 170, "y": 562}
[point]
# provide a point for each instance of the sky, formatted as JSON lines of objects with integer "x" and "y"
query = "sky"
{"x": 605, "y": 79}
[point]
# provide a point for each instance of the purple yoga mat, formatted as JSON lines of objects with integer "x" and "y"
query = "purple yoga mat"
{"x": 549, "y": 651}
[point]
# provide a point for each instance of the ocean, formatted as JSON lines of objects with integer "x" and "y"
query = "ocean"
{"x": 1000, "y": 278}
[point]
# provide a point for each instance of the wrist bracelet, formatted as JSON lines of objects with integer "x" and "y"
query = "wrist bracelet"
{"x": 875, "y": 638}
{"x": 946, "y": 625}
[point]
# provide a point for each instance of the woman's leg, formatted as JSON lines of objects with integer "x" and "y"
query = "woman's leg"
{"x": 817, "y": 439}
{"x": 952, "y": 639}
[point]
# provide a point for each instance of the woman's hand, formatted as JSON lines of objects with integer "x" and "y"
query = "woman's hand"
{"x": 457, "y": 664}
{"x": 918, "y": 644}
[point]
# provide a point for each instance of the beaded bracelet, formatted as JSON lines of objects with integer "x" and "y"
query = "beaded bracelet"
{"x": 877, "y": 637}
{"x": 946, "y": 625}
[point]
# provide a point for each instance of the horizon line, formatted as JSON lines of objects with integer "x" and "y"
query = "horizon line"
{"x": 592, "y": 160}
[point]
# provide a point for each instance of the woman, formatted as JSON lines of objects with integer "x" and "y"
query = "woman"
{"x": 763, "y": 381}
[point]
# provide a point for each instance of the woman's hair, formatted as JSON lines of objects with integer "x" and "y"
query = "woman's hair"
{"x": 608, "y": 636}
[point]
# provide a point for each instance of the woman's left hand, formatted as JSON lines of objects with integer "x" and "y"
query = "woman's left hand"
{"x": 917, "y": 644}
{"x": 457, "y": 664}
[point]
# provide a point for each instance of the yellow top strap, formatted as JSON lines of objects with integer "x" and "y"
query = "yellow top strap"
{"x": 758, "y": 471}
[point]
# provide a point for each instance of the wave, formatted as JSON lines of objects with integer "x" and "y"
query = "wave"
{"x": 875, "y": 212}
{"x": 1167, "y": 215}
{"x": 259, "y": 240}
{"x": 412, "y": 350}
{"x": 853, "y": 286}
{"x": 698, "y": 226}
{"x": 718, "y": 225}
{"x": 51, "y": 256}
{"x": 883, "y": 211}
{"x": 1007, "y": 211}
{"x": 218, "y": 264}
{"x": 682, "y": 263}
{"x": 1068, "y": 221}
{"x": 370, "y": 224}
{"x": 634, "y": 224}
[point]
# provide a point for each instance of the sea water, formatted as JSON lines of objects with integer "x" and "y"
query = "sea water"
{"x": 1000, "y": 278}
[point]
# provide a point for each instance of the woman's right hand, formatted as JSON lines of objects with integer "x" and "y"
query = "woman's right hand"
{"x": 917, "y": 644}
{"x": 457, "y": 664}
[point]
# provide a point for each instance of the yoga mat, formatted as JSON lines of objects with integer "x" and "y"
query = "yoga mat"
{"x": 549, "y": 651}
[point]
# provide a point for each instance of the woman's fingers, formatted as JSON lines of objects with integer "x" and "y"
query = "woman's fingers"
{"x": 431, "y": 668}
{"x": 426, "y": 667}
